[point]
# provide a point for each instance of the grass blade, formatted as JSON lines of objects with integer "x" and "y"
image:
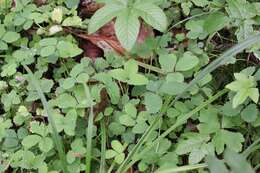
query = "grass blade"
{"x": 102, "y": 168}
{"x": 89, "y": 130}
{"x": 55, "y": 134}
{"x": 211, "y": 67}
{"x": 183, "y": 168}
{"x": 179, "y": 122}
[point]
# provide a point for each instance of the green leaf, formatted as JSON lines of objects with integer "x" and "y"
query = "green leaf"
{"x": 192, "y": 143}
{"x": 127, "y": 27}
{"x": 127, "y": 120}
{"x": 175, "y": 77}
{"x": 215, "y": 22}
{"x": 131, "y": 67}
{"x": 130, "y": 109}
{"x": 11, "y": 37}
{"x": 72, "y": 21}
{"x": 117, "y": 146}
{"x": 253, "y": 93}
{"x": 230, "y": 139}
{"x": 153, "y": 102}
{"x": 120, "y": 158}
{"x": 70, "y": 122}
{"x": 200, "y": 3}
{"x": 48, "y": 42}
{"x": 68, "y": 49}
{"x": 152, "y": 15}
{"x": 66, "y": 101}
{"x": 137, "y": 79}
{"x": 72, "y": 3}
{"x": 215, "y": 165}
{"x": 187, "y": 62}
{"x": 172, "y": 88}
{"x": 103, "y": 16}
{"x": 46, "y": 144}
{"x": 196, "y": 29}
{"x": 237, "y": 162}
{"x": 168, "y": 62}
{"x": 110, "y": 154}
{"x": 68, "y": 83}
{"x": 140, "y": 128}
{"x": 30, "y": 141}
{"x": 196, "y": 156}
{"x": 249, "y": 114}
{"x": 240, "y": 9}
{"x": 119, "y": 74}
{"x": 47, "y": 51}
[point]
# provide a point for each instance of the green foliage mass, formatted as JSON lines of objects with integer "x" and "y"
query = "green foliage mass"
{"x": 184, "y": 100}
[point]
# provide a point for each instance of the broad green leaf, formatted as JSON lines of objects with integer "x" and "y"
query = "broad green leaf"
{"x": 232, "y": 140}
{"x": 119, "y": 74}
{"x": 120, "y": 158}
{"x": 127, "y": 28}
{"x": 30, "y": 141}
{"x": 47, "y": 51}
{"x": 215, "y": 22}
{"x": 253, "y": 93}
{"x": 48, "y": 42}
{"x": 237, "y": 162}
{"x": 196, "y": 156}
{"x": 175, "y": 77}
{"x": 153, "y": 102}
{"x": 240, "y": 9}
{"x": 201, "y": 3}
{"x": 131, "y": 67}
{"x": 11, "y": 37}
{"x": 66, "y": 101}
{"x": 103, "y": 16}
{"x": 152, "y": 15}
{"x": 110, "y": 154}
{"x": 67, "y": 49}
{"x": 187, "y": 62}
{"x": 140, "y": 128}
{"x": 127, "y": 120}
{"x": 46, "y": 144}
{"x": 240, "y": 98}
{"x": 72, "y": 21}
{"x": 70, "y": 122}
{"x": 196, "y": 29}
{"x": 117, "y": 146}
{"x": 216, "y": 165}
{"x": 68, "y": 83}
{"x": 172, "y": 88}
{"x": 72, "y": 3}
{"x": 192, "y": 143}
{"x": 130, "y": 109}
{"x": 168, "y": 62}
{"x": 137, "y": 79}
{"x": 249, "y": 114}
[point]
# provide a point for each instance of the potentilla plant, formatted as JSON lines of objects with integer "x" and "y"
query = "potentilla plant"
{"x": 127, "y": 15}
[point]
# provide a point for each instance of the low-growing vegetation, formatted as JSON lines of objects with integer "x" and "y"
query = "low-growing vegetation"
{"x": 129, "y": 86}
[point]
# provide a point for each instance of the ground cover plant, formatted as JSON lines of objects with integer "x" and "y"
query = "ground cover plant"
{"x": 129, "y": 86}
